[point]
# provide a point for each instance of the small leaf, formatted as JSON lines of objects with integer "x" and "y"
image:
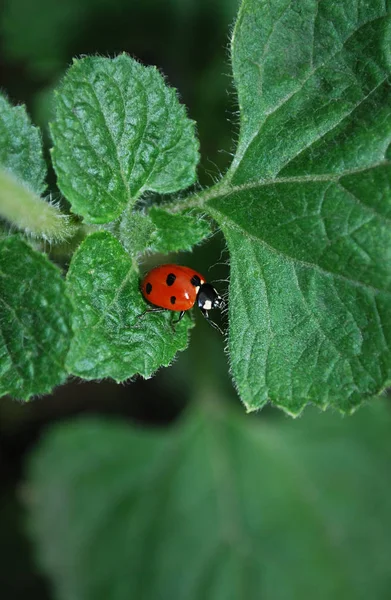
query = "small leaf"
{"x": 177, "y": 232}
{"x": 119, "y": 131}
{"x": 161, "y": 231}
{"x": 218, "y": 507}
{"x": 110, "y": 340}
{"x": 35, "y": 321}
{"x": 305, "y": 207}
{"x": 21, "y": 147}
{"x": 135, "y": 231}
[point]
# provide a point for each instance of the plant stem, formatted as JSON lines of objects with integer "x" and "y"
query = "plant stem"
{"x": 26, "y": 211}
{"x": 198, "y": 199}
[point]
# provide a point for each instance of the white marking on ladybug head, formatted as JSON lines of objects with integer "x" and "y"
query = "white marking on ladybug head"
{"x": 197, "y": 289}
{"x": 207, "y": 305}
{"x": 218, "y": 302}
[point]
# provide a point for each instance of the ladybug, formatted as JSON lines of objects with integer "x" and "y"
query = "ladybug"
{"x": 177, "y": 288}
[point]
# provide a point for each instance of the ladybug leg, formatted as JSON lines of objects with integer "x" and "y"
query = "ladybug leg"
{"x": 176, "y": 321}
{"x": 181, "y": 315}
{"x": 214, "y": 325}
{"x": 150, "y": 310}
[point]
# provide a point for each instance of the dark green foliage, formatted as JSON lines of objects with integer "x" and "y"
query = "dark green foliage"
{"x": 221, "y": 507}
{"x": 35, "y": 321}
{"x": 304, "y": 207}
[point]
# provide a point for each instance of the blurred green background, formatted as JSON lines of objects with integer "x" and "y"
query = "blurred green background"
{"x": 345, "y": 462}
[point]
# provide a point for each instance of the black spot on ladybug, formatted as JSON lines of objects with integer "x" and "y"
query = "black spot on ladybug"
{"x": 148, "y": 288}
{"x": 170, "y": 278}
{"x": 195, "y": 280}
{"x": 172, "y": 299}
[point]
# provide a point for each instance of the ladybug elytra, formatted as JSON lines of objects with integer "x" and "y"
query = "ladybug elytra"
{"x": 177, "y": 288}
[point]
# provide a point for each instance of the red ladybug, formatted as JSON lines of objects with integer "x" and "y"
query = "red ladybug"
{"x": 178, "y": 288}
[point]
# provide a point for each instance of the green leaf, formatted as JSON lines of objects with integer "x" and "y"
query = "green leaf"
{"x": 305, "y": 207}
{"x": 119, "y": 131}
{"x": 35, "y": 321}
{"x": 134, "y": 231}
{"x": 110, "y": 340}
{"x": 22, "y": 178}
{"x": 220, "y": 507}
{"x": 162, "y": 231}
{"x": 309, "y": 77}
{"x": 177, "y": 232}
{"x": 21, "y": 147}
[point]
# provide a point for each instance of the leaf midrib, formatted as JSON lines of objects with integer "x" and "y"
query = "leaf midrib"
{"x": 243, "y": 146}
{"x": 110, "y": 134}
{"x": 215, "y": 213}
{"x": 224, "y": 188}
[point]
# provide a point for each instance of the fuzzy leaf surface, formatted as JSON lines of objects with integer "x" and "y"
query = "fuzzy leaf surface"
{"x": 109, "y": 338}
{"x": 219, "y": 507}
{"x": 134, "y": 231}
{"x": 119, "y": 131}
{"x": 306, "y": 205}
{"x": 21, "y": 147}
{"x": 177, "y": 232}
{"x": 35, "y": 321}
{"x": 162, "y": 231}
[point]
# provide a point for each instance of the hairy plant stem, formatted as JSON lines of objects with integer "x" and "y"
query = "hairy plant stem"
{"x": 198, "y": 199}
{"x": 26, "y": 211}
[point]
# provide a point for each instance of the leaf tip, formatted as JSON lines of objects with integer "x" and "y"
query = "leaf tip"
{"x": 294, "y": 413}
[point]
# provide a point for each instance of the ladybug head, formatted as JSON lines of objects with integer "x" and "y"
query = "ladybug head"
{"x": 208, "y": 298}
